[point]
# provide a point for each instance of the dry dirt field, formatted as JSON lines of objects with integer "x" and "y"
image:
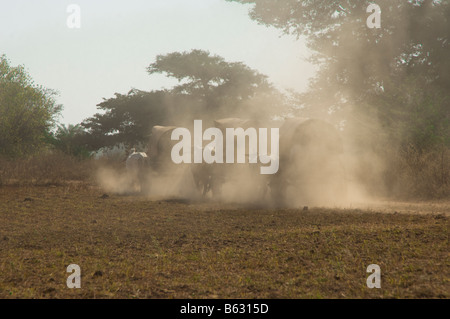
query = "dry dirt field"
{"x": 135, "y": 247}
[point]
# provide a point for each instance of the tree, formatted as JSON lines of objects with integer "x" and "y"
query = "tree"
{"x": 388, "y": 85}
{"x": 209, "y": 88}
{"x": 70, "y": 139}
{"x": 363, "y": 69}
{"x": 126, "y": 118}
{"x": 215, "y": 82}
{"x": 27, "y": 111}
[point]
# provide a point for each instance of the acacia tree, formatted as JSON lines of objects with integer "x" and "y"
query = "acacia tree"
{"x": 209, "y": 88}
{"x": 27, "y": 111}
{"x": 215, "y": 82}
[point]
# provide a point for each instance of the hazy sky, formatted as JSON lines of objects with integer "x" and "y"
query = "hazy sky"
{"x": 118, "y": 39}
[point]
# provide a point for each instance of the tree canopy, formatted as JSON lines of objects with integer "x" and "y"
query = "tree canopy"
{"x": 398, "y": 74}
{"x": 127, "y": 118}
{"x": 210, "y": 77}
{"x": 27, "y": 111}
{"x": 208, "y": 87}
{"x": 69, "y": 139}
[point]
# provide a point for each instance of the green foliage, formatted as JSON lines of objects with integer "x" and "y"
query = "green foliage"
{"x": 126, "y": 118}
{"x": 398, "y": 74}
{"x": 27, "y": 111}
{"x": 70, "y": 140}
{"x": 415, "y": 115}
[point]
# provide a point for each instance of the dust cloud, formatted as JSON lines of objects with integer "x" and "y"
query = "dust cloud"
{"x": 327, "y": 157}
{"x": 320, "y": 165}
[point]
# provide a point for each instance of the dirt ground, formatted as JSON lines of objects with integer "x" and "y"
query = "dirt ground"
{"x": 136, "y": 247}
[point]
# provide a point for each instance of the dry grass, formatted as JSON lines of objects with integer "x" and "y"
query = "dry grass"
{"x": 133, "y": 247}
{"x": 409, "y": 174}
{"x": 51, "y": 168}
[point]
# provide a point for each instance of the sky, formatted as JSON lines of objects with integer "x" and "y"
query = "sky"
{"x": 118, "y": 39}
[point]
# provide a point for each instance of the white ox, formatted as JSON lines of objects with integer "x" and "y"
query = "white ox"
{"x": 136, "y": 165}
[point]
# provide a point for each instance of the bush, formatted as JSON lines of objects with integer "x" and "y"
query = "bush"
{"x": 419, "y": 174}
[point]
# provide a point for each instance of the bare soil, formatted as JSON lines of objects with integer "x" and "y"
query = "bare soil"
{"x": 136, "y": 247}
